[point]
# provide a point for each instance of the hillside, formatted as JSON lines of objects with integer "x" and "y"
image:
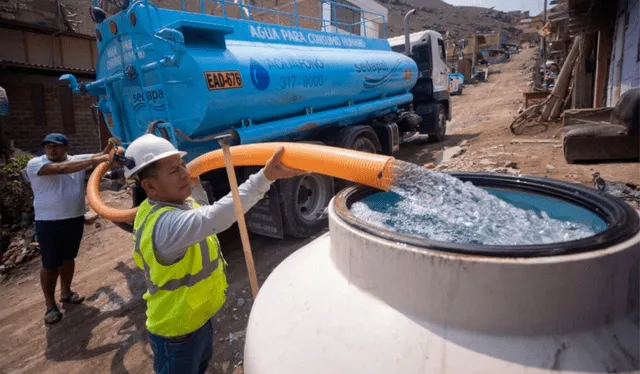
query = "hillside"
{"x": 442, "y": 17}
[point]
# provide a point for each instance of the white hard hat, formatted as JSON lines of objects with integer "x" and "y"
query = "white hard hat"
{"x": 147, "y": 149}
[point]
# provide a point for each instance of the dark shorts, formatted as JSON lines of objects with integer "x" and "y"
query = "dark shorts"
{"x": 59, "y": 240}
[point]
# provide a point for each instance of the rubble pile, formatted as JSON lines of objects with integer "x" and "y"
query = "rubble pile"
{"x": 629, "y": 192}
{"x": 526, "y": 66}
{"x": 23, "y": 247}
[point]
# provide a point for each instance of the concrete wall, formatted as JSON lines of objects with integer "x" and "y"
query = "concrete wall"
{"x": 26, "y": 126}
{"x": 627, "y": 27}
{"x": 371, "y": 27}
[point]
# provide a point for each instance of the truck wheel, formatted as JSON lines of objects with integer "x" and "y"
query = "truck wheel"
{"x": 441, "y": 124}
{"x": 304, "y": 200}
{"x": 364, "y": 144}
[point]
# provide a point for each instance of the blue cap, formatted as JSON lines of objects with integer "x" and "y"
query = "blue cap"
{"x": 56, "y": 138}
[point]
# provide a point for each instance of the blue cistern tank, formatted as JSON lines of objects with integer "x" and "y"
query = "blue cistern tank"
{"x": 205, "y": 74}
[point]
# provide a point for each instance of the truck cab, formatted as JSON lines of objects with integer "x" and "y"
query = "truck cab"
{"x": 431, "y": 93}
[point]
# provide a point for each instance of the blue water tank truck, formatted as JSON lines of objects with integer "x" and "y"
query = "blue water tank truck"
{"x": 193, "y": 76}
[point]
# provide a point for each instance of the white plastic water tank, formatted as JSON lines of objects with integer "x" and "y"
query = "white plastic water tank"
{"x": 352, "y": 302}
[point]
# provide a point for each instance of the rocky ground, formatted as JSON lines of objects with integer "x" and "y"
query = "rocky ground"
{"x": 107, "y": 335}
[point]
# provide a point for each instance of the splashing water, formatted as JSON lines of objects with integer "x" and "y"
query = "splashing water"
{"x": 441, "y": 207}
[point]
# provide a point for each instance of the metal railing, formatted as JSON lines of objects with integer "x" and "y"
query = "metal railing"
{"x": 295, "y": 18}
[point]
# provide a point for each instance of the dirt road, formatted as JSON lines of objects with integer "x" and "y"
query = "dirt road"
{"x": 481, "y": 117}
{"x": 107, "y": 335}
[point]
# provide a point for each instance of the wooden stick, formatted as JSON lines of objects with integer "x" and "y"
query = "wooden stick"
{"x": 562, "y": 83}
{"x": 237, "y": 204}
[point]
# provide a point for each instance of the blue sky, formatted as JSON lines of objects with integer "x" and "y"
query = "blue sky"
{"x": 535, "y": 6}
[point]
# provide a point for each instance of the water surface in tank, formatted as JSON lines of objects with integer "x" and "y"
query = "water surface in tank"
{"x": 440, "y": 207}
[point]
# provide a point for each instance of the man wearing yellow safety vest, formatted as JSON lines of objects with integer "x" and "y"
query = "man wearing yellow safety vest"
{"x": 175, "y": 244}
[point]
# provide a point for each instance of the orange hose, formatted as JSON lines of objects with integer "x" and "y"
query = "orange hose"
{"x": 359, "y": 167}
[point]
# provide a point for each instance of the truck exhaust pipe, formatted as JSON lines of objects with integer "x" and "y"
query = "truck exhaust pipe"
{"x": 407, "y": 43}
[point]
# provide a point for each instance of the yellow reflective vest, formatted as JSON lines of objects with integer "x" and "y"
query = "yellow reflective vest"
{"x": 181, "y": 297}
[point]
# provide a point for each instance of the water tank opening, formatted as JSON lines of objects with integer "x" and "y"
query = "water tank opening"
{"x": 611, "y": 220}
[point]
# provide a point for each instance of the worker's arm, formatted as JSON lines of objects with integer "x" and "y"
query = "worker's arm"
{"x": 76, "y": 164}
{"x": 178, "y": 229}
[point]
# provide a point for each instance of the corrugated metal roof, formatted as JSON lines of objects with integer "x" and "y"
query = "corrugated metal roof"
{"x": 63, "y": 69}
{"x": 559, "y": 15}
{"x": 590, "y": 15}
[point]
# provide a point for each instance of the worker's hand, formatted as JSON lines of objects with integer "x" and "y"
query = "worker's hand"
{"x": 112, "y": 144}
{"x": 274, "y": 169}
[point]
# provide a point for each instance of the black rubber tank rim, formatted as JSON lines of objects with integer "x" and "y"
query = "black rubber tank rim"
{"x": 621, "y": 219}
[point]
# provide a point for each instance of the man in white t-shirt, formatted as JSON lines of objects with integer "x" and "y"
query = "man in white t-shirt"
{"x": 57, "y": 180}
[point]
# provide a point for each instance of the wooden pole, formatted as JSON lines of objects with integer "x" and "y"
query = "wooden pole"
{"x": 544, "y": 38}
{"x": 474, "y": 50}
{"x": 562, "y": 83}
{"x": 605, "y": 39}
{"x": 223, "y": 140}
{"x": 582, "y": 92}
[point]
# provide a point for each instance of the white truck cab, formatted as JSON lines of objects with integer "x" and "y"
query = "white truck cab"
{"x": 429, "y": 52}
{"x": 431, "y": 96}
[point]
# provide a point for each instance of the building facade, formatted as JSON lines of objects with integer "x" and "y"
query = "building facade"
{"x": 39, "y": 103}
{"x": 41, "y": 40}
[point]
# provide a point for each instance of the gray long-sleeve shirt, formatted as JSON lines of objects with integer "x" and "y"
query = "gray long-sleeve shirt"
{"x": 178, "y": 229}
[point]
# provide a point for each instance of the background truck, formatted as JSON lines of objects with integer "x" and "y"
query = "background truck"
{"x": 190, "y": 77}
{"x": 432, "y": 100}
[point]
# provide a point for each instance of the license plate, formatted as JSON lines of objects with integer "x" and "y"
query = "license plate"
{"x": 222, "y": 80}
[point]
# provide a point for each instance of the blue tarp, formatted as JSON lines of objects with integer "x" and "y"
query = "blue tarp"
{"x": 458, "y": 75}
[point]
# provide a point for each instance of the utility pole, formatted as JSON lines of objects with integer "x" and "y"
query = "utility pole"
{"x": 474, "y": 49}
{"x": 544, "y": 38}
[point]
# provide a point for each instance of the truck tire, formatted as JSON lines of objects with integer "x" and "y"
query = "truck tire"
{"x": 304, "y": 200}
{"x": 364, "y": 144}
{"x": 441, "y": 124}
